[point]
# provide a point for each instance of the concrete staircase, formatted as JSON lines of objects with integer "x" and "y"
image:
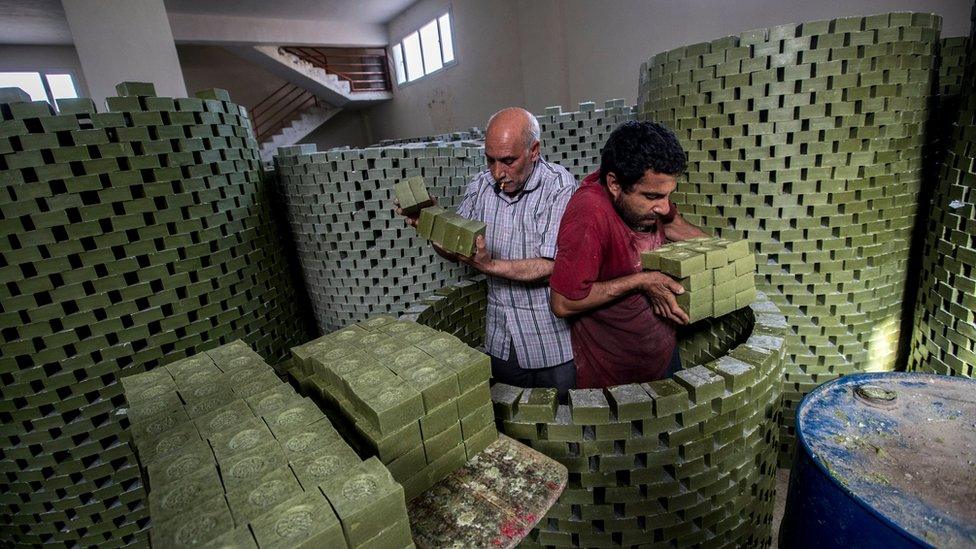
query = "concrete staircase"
{"x": 307, "y": 121}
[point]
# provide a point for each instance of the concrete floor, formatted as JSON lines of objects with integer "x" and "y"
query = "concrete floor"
{"x": 779, "y": 506}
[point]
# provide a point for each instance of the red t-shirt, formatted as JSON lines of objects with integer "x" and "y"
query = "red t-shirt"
{"x": 623, "y": 341}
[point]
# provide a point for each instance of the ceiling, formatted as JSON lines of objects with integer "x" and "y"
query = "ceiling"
{"x": 43, "y": 21}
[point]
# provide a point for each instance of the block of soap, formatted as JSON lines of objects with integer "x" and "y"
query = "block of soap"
{"x": 323, "y": 464}
{"x": 366, "y": 500}
{"x": 412, "y": 195}
{"x": 306, "y": 520}
{"x": 701, "y": 383}
{"x": 538, "y": 405}
{"x": 589, "y": 406}
{"x": 630, "y": 402}
{"x": 274, "y": 488}
{"x": 195, "y": 526}
{"x": 129, "y": 89}
{"x": 669, "y": 397}
{"x": 425, "y": 223}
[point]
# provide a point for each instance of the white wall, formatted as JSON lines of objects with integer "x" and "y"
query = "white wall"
{"x": 487, "y": 76}
{"x": 607, "y": 41}
{"x": 348, "y": 128}
{"x": 214, "y": 67}
{"x": 538, "y": 53}
{"x": 44, "y": 58}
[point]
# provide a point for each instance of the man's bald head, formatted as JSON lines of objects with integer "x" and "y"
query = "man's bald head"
{"x": 512, "y": 148}
{"x": 515, "y": 121}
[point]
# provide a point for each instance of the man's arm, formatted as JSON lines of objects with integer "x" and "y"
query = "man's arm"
{"x": 659, "y": 287}
{"x": 522, "y": 270}
{"x": 680, "y": 229}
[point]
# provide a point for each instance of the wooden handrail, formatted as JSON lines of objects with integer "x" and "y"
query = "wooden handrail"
{"x": 279, "y": 108}
{"x": 334, "y": 61}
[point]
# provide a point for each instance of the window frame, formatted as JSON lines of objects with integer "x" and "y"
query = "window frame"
{"x": 44, "y": 73}
{"x": 440, "y": 41}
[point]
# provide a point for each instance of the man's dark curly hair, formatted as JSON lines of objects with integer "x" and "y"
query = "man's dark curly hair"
{"x": 635, "y": 147}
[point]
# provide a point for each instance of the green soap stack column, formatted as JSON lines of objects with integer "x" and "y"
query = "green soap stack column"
{"x": 458, "y": 309}
{"x": 807, "y": 141}
{"x": 944, "y": 339}
{"x": 358, "y": 258}
{"x": 574, "y": 139}
{"x": 134, "y": 237}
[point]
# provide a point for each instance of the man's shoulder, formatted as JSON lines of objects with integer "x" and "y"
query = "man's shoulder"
{"x": 556, "y": 177}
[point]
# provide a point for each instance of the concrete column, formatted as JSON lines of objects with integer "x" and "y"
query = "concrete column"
{"x": 124, "y": 40}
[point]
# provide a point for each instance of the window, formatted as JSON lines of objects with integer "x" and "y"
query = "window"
{"x": 41, "y": 86}
{"x": 424, "y": 51}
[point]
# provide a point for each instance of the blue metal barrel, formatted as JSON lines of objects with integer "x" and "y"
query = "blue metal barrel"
{"x": 884, "y": 460}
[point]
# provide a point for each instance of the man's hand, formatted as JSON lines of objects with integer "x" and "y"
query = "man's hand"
{"x": 410, "y": 219}
{"x": 480, "y": 259}
{"x": 661, "y": 289}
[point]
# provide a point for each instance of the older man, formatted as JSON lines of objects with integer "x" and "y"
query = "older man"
{"x": 521, "y": 198}
{"x": 623, "y": 318}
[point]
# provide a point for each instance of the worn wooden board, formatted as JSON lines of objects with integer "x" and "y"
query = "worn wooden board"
{"x": 493, "y": 501}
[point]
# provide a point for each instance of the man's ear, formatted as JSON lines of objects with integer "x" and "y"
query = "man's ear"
{"x": 534, "y": 151}
{"x": 613, "y": 185}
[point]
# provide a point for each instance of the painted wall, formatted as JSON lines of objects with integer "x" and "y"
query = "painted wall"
{"x": 215, "y": 67}
{"x": 44, "y": 58}
{"x": 346, "y": 128}
{"x": 486, "y": 77}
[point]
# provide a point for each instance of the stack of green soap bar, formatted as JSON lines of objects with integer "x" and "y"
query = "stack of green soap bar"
{"x": 660, "y": 460}
{"x": 412, "y": 195}
{"x": 717, "y": 274}
{"x": 451, "y": 231}
{"x": 574, "y": 139}
{"x": 458, "y": 309}
{"x": 808, "y": 141}
{"x": 229, "y": 449}
{"x": 472, "y": 135}
{"x": 340, "y": 206}
{"x": 134, "y": 235}
{"x": 416, "y": 398}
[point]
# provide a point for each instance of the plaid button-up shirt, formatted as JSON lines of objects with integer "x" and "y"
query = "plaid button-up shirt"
{"x": 523, "y": 227}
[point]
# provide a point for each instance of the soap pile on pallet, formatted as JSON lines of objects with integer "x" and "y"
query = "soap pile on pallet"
{"x": 234, "y": 457}
{"x": 415, "y": 397}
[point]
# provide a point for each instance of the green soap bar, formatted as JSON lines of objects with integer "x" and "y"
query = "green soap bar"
{"x": 439, "y": 419}
{"x": 294, "y": 417}
{"x": 171, "y": 499}
{"x": 744, "y": 282}
{"x": 561, "y": 428}
{"x": 223, "y": 418}
{"x": 186, "y": 461}
{"x": 238, "y": 538}
{"x": 698, "y": 281}
{"x": 449, "y": 238}
{"x": 468, "y": 232}
{"x": 123, "y": 104}
{"x": 75, "y": 105}
{"x": 253, "y": 501}
{"x": 377, "y": 322}
{"x": 477, "y": 442}
{"x": 701, "y": 383}
{"x": 205, "y": 405}
{"x": 669, "y": 397}
{"x": 723, "y": 291}
{"x": 407, "y": 465}
{"x": 715, "y": 256}
{"x": 723, "y": 275}
{"x": 240, "y": 471}
{"x": 736, "y": 249}
{"x": 416, "y": 485}
{"x": 745, "y": 265}
{"x": 14, "y": 95}
{"x": 439, "y": 228}
{"x": 589, "y": 406}
{"x": 473, "y": 399}
{"x": 745, "y": 298}
{"x": 271, "y": 400}
{"x": 392, "y": 408}
{"x": 682, "y": 263}
{"x": 436, "y": 382}
{"x": 618, "y": 430}
{"x": 195, "y": 526}
{"x": 306, "y": 520}
{"x": 213, "y": 93}
{"x": 245, "y": 436}
{"x": 365, "y": 499}
{"x": 425, "y": 224}
{"x": 405, "y": 198}
{"x": 448, "y": 463}
{"x": 439, "y": 444}
{"x": 419, "y": 191}
{"x": 323, "y": 464}
{"x": 505, "y": 399}
{"x": 127, "y": 89}
{"x": 472, "y": 368}
{"x": 140, "y": 411}
{"x": 651, "y": 260}
{"x": 477, "y": 420}
{"x": 168, "y": 441}
{"x": 302, "y": 441}
{"x": 538, "y": 405}
{"x": 630, "y": 402}
{"x": 737, "y": 374}
{"x": 762, "y": 359}
{"x": 391, "y": 446}
{"x": 724, "y": 306}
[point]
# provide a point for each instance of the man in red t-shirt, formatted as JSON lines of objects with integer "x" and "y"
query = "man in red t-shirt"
{"x": 622, "y": 319}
